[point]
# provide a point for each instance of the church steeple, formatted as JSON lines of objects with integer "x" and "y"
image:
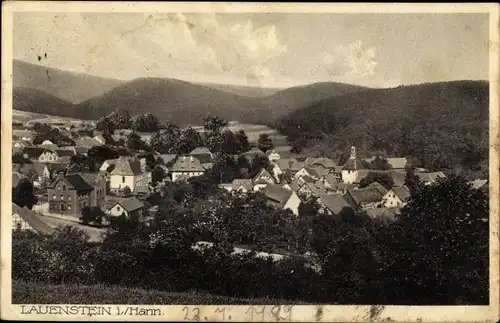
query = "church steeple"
{"x": 353, "y": 153}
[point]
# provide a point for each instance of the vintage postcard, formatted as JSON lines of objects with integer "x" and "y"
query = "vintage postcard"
{"x": 255, "y": 162}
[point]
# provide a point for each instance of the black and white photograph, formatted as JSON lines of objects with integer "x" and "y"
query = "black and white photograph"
{"x": 270, "y": 160}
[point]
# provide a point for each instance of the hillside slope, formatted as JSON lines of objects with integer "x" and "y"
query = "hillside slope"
{"x": 70, "y": 86}
{"x": 32, "y": 100}
{"x": 441, "y": 124}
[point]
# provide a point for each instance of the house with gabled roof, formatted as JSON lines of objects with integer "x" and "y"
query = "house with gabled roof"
{"x": 69, "y": 195}
{"x": 282, "y": 198}
{"x": 24, "y": 219}
{"x": 186, "y": 167}
{"x": 430, "y": 178}
{"x": 129, "y": 172}
{"x": 205, "y": 159}
{"x": 239, "y": 185}
{"x": 332, "y": 204}
{"x": 262, "y": 179}
{"x": 396, "y": 197}
{"x": 130, "y": 207}
{"x": 201, "y": 151}
{"x": 278, "y": 152}
{"x": 307, "y": 171}
{"x": 364, "y": 198}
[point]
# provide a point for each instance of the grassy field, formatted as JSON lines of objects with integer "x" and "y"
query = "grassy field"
{"x": 24, "y": 116}
{"x": 35, "y": 293}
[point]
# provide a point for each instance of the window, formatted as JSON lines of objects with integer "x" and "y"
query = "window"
{"x": 53, "y": 196}
{"x": 69, "y": 207}
{"x": 69, "y": 197}
{"x": 64, "y": 187}
{"x": 59, "y": 187}
{"x": 118, "y": 208}
{"x": 123, "y": 179}
{"x": 62, "y": 197}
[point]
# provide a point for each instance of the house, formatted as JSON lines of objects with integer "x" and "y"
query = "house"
{"x": 396, "y": 197}
{"x": 311, "y": 189}
{"x": 24, "y": 135}
{"x": 364, "y": 198}
{"x": 262, "y": 179}
{"x": 24, "y": 219}
{"x": 69, "y": 195}
{"x": 290, "y": 164}
{"x": 201, "y": 151}
{"x": 307, "y": 171}
{"x": 282, "y": 198}
{"x": 332, "y": 204}
{"x": 430, "y": 178}
{"x": 33, "y": 153}
{"x": 98, "y": 182}
{"x": 341, "y": 188}
{"x": 131, "y": 207}
{"x": 48, "y": 156}
{"x": 80, "y": 150}
{"x": 239, "y": 184}
{"x": 350, "y": 168}
{"x": 186, "y": 167}
{"x": 21, "y": 144}
{"x": 129, "y": 172}
{"x": 480, "y": 184}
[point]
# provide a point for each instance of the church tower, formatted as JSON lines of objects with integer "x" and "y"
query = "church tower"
{"x": 350, "y": 168}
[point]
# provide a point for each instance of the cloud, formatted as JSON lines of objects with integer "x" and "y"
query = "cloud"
{"x": 351, "y": 60}
{"x": 237, "y": 49}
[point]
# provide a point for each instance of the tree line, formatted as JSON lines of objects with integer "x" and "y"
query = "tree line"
{"x": 433, "y": 253}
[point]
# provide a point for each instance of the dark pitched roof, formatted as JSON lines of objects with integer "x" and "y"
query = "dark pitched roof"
{"x": 366, "y": 195}
{"x": 131, "y": 204}
{"x": 167, "y": 158}
{"x": 76, "y": 181}
{"x": 402, "y": 192}
{"x": 277, "y": 194}
{"x": 32, "y": 219}
{"x": 380, "y": 187}
{"x": 352, "y": 164}
{"x": 33, "y": 152}
{"x": 335, "y": 203}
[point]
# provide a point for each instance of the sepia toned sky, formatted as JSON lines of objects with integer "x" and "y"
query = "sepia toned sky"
{"x": 273, "y": 50}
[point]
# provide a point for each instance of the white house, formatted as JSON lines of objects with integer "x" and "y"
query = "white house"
{"x": 306, "y": 171}
{"x": 130, "y": 207}
{"x": 282, "y": 198}
{"x": 186, "y": 167}
{"x": 396, "y": 197}
{"x": 48, "y": 156}
{"x": 106, "y": 164}
{"x": 262, "y": 179}
{"x": 239, "y": 185}
{"x": 129, "y": 172}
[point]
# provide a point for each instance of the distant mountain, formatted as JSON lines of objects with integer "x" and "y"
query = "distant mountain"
{"x": 251, "y": 91}
{"x": 440, "y": 124}
{"x": 70, "y": 86}
{"x": 169, "y": 99}
{"x": 31, "y": 100}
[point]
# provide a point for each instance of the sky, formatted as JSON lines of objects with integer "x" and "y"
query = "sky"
{"x": 260, "y": 49}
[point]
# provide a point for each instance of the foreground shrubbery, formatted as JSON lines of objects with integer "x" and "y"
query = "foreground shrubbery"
{"x": 39, "y": 293}
{"x": 436, "y": 252}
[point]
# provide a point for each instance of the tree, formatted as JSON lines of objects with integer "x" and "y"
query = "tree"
{"x": 437, "y": 252}
{"x": 146, "y": 122}
{"x": 265, "y": 142}
{"x": 135, "y": 142}
{"x": 230, "y": 144}
{"x": 41, "y": 128}
{"x": 382, "y": 178}
{"x": 18, "y": 158}
{"x": 158, "y": 175}
{"x": 224, "y": 169}
{"x": 121, "y": 119}
{"x": 165, "y": 141}
{"x": 81, "y": 163}
{"x": 379, "y": 164}
{"x": 242, "y": 139}
{"x": 214, "y": 124}
{"x": 106, "y": 125}
{"x": 411, "y": 180}
{"x": 258, "y": 163}
{"x": 127, "y": 191}
{"x": 189, "y": 139}
{"x": 55, "y": 136}
{"x": 23, "y": 194}
{"x": 92, "y": 215}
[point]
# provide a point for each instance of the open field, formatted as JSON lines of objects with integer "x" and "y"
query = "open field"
{"x": 253, "y": 131}
{"x": 36, "y": 293}
{"x": 24, "y": 116}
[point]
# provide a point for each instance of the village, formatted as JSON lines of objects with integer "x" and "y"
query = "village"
{"x": 121, "y": 186}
